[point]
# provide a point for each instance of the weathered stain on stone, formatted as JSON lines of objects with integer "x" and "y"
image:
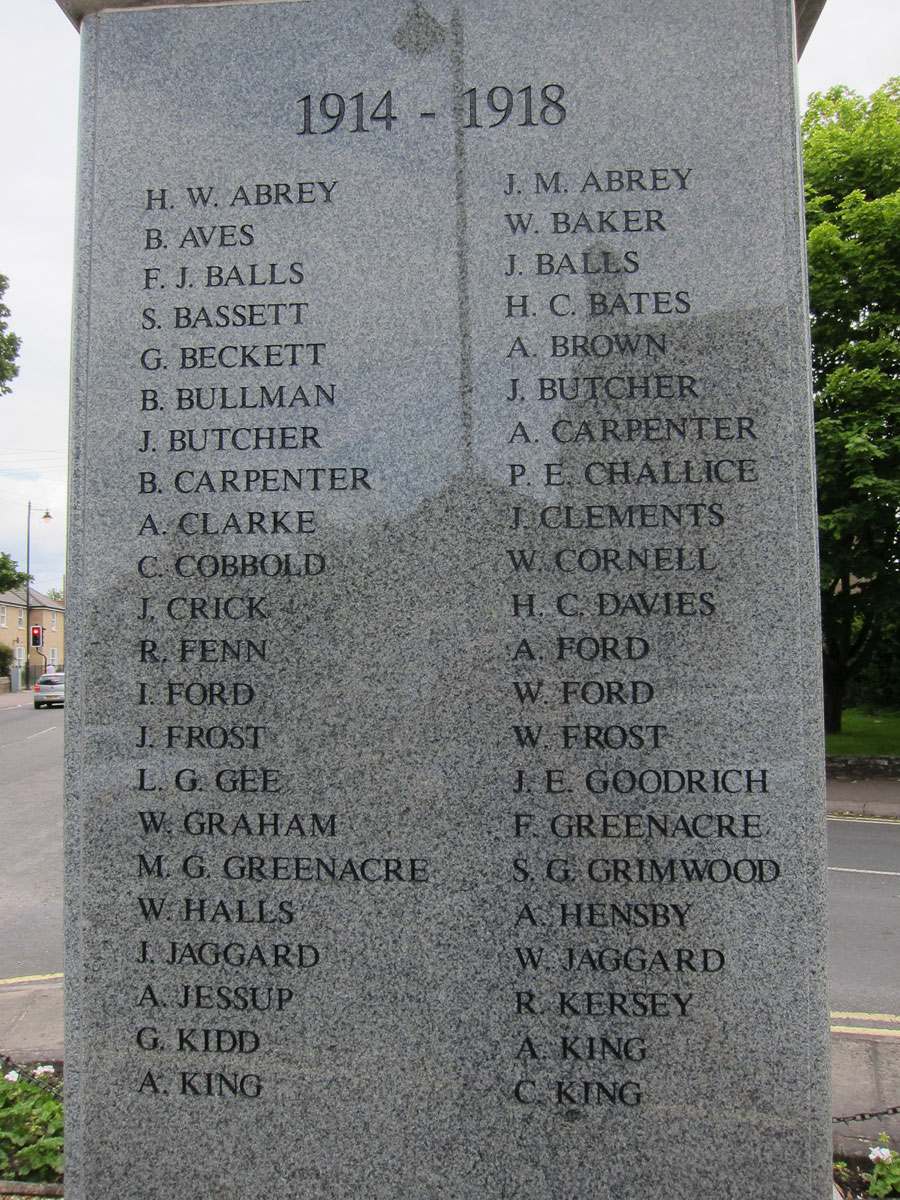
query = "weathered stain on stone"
{"x": 419, "y": 33}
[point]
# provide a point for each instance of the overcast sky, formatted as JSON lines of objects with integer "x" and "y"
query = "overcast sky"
{"x": 857, "y": 42}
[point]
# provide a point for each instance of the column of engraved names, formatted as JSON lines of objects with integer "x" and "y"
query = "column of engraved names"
{"x": 236, "y": 400}
{"x": 627, "y": 473}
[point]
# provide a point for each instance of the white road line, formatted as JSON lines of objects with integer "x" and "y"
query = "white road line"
{"x": 28, "y": 737}
{"x": 860, "y": 871}
{"x": 868, "y": 820}
{"x": 41, "y": 732}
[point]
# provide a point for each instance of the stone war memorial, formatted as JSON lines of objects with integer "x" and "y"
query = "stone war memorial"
{"x": 445, "y": 809}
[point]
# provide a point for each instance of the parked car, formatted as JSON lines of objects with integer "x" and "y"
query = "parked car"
{"x": 50, "y": 689}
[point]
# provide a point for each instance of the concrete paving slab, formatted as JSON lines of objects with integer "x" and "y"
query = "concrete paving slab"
{"x": 864, "y": 797}
{"x": 31, "y": 1018}
{"x": 865, "y": 1074}
{"x": 21, "y": 699}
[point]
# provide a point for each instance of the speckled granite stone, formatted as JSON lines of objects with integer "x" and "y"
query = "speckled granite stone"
{"x": 445, "y": 775}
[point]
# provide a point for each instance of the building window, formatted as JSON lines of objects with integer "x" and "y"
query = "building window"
{"x": 21, "y": 618}
{"x": 3, "y": 615}
{"x": 52, "y": 656}
{"x": 53, "y": 620}
{"x": 20, "y": 656}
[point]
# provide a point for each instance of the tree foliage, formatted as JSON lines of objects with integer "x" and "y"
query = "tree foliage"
{"x": 9, "y": 344}
{"x": 852, "y": 171}
{"x": 10, "y": 575}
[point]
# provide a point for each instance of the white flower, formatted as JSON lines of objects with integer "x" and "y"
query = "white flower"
{"x": 880, "y": 1154}
{"x": 11, "y": 1076}
{"x": 43, "y": 1070}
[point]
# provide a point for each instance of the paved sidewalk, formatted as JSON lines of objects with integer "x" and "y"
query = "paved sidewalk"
{"x": 865, "y": 1077}
{"x": 864, "y": 797}
{"x": 31, "y": 1006}
{"x": 20, "y": 699}
{"x": 31, "y": 1018}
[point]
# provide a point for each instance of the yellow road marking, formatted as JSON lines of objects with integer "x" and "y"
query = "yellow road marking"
{"x": 861, "y": 1029}
{"x": 868, "y": 1027}
{"x": 32, "y": 979}
{"x": 855, "y": 1016}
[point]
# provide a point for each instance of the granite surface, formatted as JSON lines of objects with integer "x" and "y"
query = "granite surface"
{"x": 77, "y": 10}
{"x": 807, "y": 12}
{"x": 445, "y": 814}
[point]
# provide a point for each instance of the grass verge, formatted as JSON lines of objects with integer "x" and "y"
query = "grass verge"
{"x": 866, "y": 734}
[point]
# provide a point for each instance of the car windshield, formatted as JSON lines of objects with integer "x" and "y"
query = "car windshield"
{"x": 51, "y": 679}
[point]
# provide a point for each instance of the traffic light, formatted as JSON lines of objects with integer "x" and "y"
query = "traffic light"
{"x": 37, "y": 636}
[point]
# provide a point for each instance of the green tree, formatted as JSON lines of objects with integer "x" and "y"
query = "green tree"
{"x": 10, "y": 575}
{"x": 9, "y": 344}
{"x": 851, "y": 148}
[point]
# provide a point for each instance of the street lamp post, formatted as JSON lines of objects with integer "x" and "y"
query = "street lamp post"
{"x": 45, "y": 517}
